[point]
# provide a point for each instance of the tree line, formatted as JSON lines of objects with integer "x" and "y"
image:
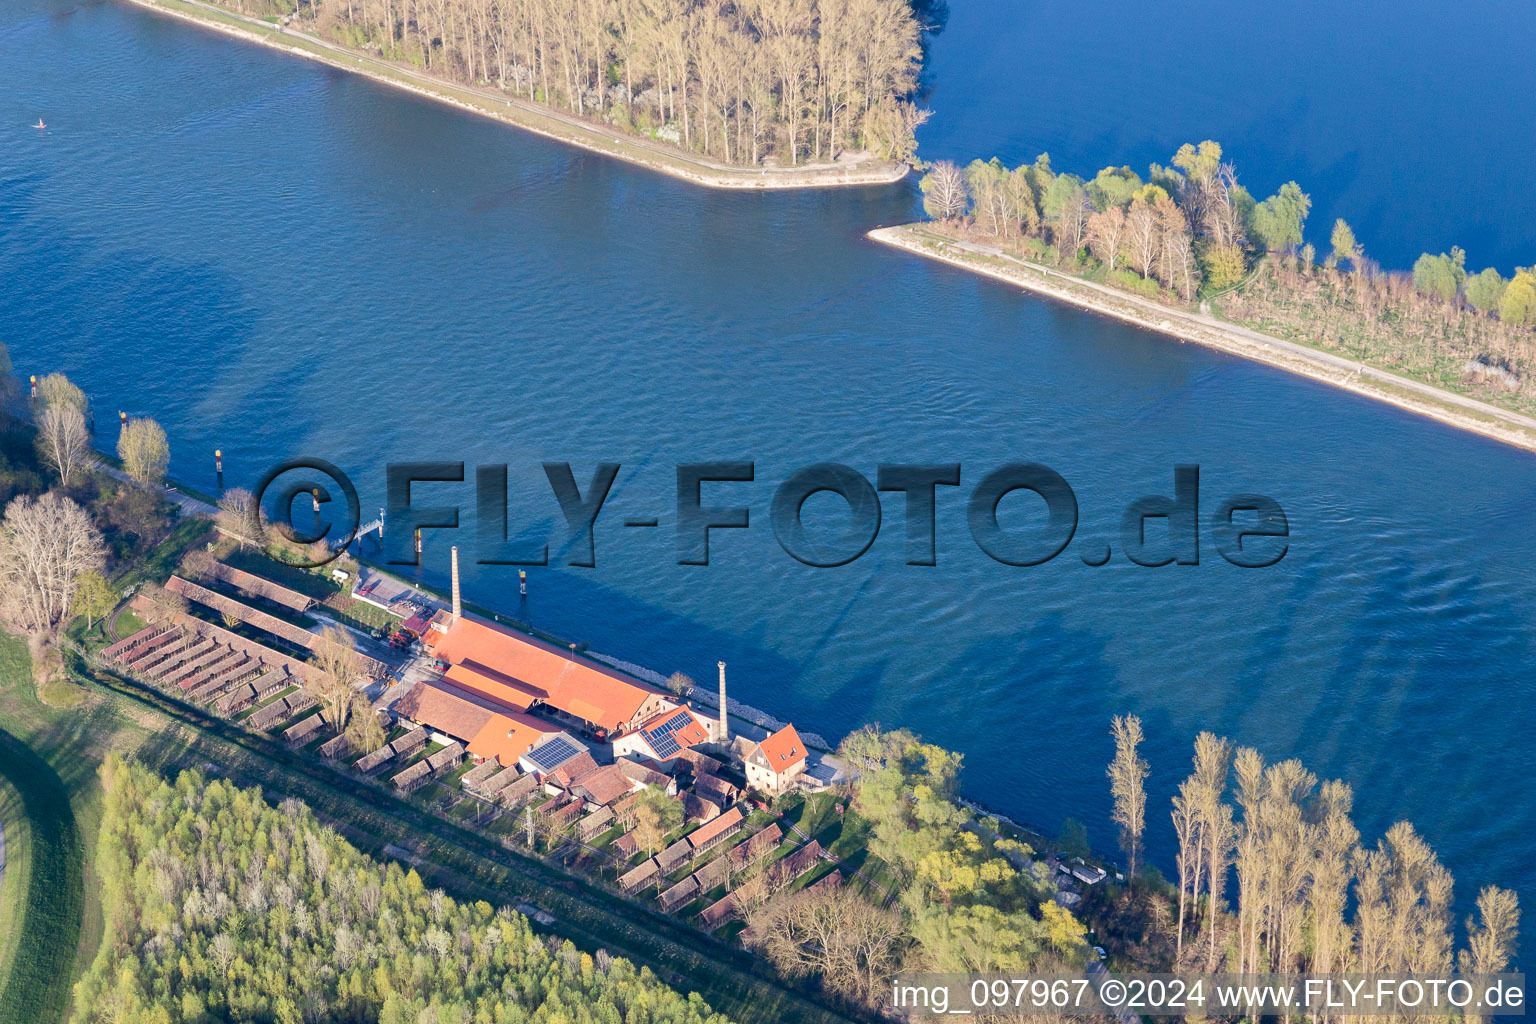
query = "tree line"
{"x": 1272, "y": 875}
{"x": 1191, "y": 229}
{"x": 220, "y": 906}
{"x": 1186, "y": 224}
{"x": 740, "y": 81}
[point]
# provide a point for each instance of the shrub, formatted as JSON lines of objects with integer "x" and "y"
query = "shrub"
{"x": 1133, "y": 282}
{"x": 1222, "y": 266}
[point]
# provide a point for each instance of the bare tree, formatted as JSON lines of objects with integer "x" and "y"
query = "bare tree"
{"x": 337, "y": 671}
{"x": 145, "y": 453}
{"x": 57, "y": 389}
{"x": 64, "y": 442}
{"x": 944, "y": 192}
{"x": 1186, "y": 828}
{"x": 1491, "y": 938}
{"x": 198, "y": 564}
{"x": 1142, "y": 237}
{"x": 1204, "y": 830}
{"x": 1171, "y": 224}
{"x": 364, "y": 731}
{"x": 890, "y": 128}
{"x": 751, "y": 888}
{"x": 1070, "y": 227}
{"x": 835, "y": 934}
{"x": 1106, "y": 231}
{"x": 46, "y": 544}
{"x": 241, "y": 516}
{"x": 1296, "y": 854}
{"x": 1185, "y": 268}
{"x": 1127, "y": 777}
{"x": 161, "y": 607}
{"x": 1328, "y": 893}
{"x": 1213, "y": 760}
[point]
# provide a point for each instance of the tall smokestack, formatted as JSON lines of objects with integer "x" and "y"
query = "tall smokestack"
{"x": 725, "y": 728}
{"x": 456, "y": 607}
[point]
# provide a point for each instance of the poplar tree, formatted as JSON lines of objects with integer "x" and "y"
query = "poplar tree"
{"x": 145, "y": 453}
{"x": 1127, "y": 777}
{"x": 1345, "y": 247}
{"x": 338, "y": 669}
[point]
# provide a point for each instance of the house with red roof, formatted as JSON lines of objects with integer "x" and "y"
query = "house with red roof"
{"x": 521, "y": 673}
{"x": 662, "y": 738}
{"x": 605, "y": 785}
{"x": 773, "y": 764}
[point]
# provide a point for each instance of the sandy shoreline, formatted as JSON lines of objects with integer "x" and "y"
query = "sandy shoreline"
{"x": 532, "y": 117}
{"x": 1451, "y": 409}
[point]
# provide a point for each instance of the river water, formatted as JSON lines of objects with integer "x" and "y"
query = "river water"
{"x": 278, "y": 259}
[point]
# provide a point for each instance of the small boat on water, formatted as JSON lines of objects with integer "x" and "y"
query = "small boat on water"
{"x": 40, "y": 123}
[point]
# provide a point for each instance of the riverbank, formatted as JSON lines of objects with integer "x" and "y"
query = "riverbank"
{"x": 533, "y": 117}
{"x": 1447, "y": 407}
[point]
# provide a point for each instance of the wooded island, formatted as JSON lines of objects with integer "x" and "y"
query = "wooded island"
{"x": 1190, "y": 233}
{"x": 750, "y": 83}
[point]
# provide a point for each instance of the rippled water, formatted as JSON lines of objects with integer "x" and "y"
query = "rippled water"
{"x": 1405, "y": 119}
{"x": 277, "y": 259}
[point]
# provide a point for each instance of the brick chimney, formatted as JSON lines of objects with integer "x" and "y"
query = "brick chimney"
{"x": 456, "y": 606}
{"x": 724, "y": 727}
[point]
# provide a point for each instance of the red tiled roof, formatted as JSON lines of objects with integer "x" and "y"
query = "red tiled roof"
{"x": 700, "y": 762}
{"x": 488, "y": 730}
{"x": 694, "y": 731}
{"x": 444, "y": 711}
{"x": 637, "y": 772}
{"x": 491, "y": 685}
{"x": 730, "y": 819}
{"x": 783, "y": 750}
{"x": 604, "y": 785}
{"x": 573, "y": 769}
{"x": 508, "y": 737}
{"x": 577, "y": 687}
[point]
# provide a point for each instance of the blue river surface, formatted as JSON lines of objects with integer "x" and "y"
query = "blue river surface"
{"x": 278, "y": 259}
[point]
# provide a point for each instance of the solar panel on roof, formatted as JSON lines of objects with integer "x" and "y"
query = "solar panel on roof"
{"x": 662, "y": 737}
{"x": 551, "y": 754}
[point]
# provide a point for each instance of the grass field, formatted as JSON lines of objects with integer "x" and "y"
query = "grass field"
{"x": 15, "y": 869}
{"x": 42, "y": 894}
{"x": 159, "y": 563}
{"x": 844, "y": 836}
{"x": 46, "y": 945}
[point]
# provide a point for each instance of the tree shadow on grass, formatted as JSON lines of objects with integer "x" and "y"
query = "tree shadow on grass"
{"x": 37, "y": 988}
